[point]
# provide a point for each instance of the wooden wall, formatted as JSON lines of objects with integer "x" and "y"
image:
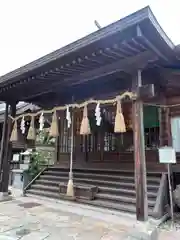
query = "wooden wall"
{"x": 103, "y": 148}
{"x": 174, "y": 111}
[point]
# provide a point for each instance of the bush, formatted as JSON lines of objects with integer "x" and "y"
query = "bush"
{"x": 36, "y": 165}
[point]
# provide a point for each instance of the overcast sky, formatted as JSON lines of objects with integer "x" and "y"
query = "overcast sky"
{"x": 30, "y": 29}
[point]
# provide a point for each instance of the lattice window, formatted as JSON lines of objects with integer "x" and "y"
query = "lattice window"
{"x": 151, "y": 137}
{"x": 109, "y": 135}
{"x": 90, "y": 143}
{"x": 92, "y": 140}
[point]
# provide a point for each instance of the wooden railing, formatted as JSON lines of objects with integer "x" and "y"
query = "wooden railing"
{"x": 33, "y": 180}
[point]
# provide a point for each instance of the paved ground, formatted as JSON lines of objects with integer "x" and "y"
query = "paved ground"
{"x": 36, "y": 219}
{"x": 29, "y": 220}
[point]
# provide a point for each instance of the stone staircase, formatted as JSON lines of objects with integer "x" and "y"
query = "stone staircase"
{"x": 116, "y": 188}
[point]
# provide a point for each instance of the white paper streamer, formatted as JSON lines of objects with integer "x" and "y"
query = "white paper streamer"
{"x": 41, "y": 122}
{"x": 68, "y": 117}
{"x": 98, "y": 115}
{"x": 22, "y": 127}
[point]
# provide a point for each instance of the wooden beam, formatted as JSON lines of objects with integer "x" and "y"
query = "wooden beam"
{"x": 139, "y": 154}
{"x": 161, "y": 130}
{"x": 168, "y": 126}
{"x": 127, "y": 65}
{"x": 154, "y": 49}
{"x": 86, "y": 91}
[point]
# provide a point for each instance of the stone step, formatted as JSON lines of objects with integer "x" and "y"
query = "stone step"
{"x": 128, "y": 192}
{"x": 123, "y": 207}
{"x": 121, "y": 199}
{"x": 104, "y": 171}
{"x": 116, "y": 189}
{"x": 54, "y": 186}
{"x": 47, "y": 182}
{"x": 45, "y": 188}
{"x": 128, "y": 208}
{"x": 105, "y": 203}
{"x": 113, "y": 192}
{"x": 54, "y": 195}
{"x": 119, "y": 177}
{"x": 88, "y": 181}
{"x": 96, "y": 182}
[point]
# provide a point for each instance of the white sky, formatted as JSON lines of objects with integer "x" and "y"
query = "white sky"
{"x": 30, "y": 29}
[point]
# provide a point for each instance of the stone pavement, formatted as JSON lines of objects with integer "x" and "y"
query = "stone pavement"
{"x": 32, "y": 220}
{"x": 37, "y": 219}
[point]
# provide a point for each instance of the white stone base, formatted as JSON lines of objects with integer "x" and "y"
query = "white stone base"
{"x": 4, "y": 196}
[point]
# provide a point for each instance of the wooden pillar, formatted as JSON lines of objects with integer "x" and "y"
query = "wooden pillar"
{"x": 165, "y": 127}
{"x": 57, "y": 142}
{"x": 3, "y": 140}
{"x": 56, "y": 160}
{"x": 8, "y": 152}
{"x": 139, "y": 155}
{"x": 161, "y": 130}
{"x": 168, "y": 127}
{"x": 85, "y": 140}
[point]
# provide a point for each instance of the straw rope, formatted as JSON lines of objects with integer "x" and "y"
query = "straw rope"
{"x": 128, "y": 94}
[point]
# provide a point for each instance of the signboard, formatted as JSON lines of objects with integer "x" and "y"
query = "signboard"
{"x": 167, "y": 155}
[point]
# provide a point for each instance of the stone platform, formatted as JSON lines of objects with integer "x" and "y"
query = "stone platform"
{"x": 32, "y": 218}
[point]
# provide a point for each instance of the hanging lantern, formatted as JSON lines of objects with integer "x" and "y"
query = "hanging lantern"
{"x": 85, "y": 126}
{"x": 32, "y": 131}
{"x": 14, "y": 133}
{"x": 41, "y": 122}
{"x": 68, "y": 117}
{"x": 119, "y": 126}
{"x": 98, "y": 115}
{"x": 54, "y": 130}
{"x": 22, "y": 127}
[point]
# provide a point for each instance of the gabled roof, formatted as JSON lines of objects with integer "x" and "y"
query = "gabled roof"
{"x": 119, "y": 26}
{"x": 20, "y": 108}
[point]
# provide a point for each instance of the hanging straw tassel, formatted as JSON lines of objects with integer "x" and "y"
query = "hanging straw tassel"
{"x": 32, "y": 132}
{"x": 85, "y": 126}
{"x": 54, "y": 131}
{"x": 14, "y": 133}
{"x": 70, "y": 189}
{"x": 119, "y": 126}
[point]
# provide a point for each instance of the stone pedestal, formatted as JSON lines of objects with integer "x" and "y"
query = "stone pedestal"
{"x": 20, "y": 179}
{"x": 17, "y": 178}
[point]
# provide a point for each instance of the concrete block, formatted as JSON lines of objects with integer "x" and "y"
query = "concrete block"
{"x": 142, "y": 235}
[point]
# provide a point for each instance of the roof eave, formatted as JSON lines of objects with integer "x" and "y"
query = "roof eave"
{"x": 159, "y": 29}
{"x": 105, "y": 32}
{"x": 119, "y": 26}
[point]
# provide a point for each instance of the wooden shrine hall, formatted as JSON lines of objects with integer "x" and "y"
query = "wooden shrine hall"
{"x": 130, "y": 70}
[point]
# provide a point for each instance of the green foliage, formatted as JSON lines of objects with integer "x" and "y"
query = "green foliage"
{"x": 43, "y": 138}
{"x": 36, "y": 164}
{"x": 41, "y": 157}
